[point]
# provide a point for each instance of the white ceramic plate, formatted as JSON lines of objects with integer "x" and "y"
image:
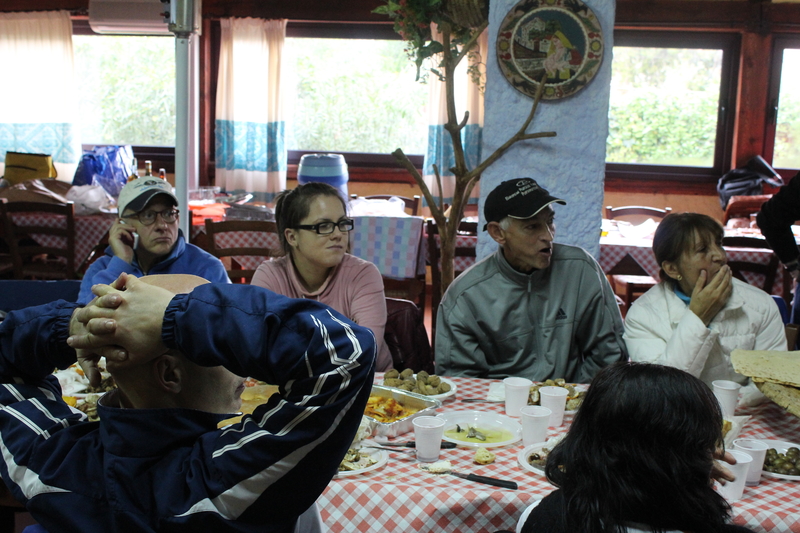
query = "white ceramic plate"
{"x": 484, "y": 421}
{"x": 381, "y": 456}
{"x": 525, "y": 453}
{"x": 441, "y": 397}
{"x": 781, "y": 447}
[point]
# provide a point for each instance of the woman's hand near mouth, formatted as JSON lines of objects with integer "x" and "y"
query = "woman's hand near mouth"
{"x": 708, "y": 299}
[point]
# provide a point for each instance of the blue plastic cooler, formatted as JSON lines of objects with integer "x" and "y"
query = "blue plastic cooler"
{"x": 325, "y": 168}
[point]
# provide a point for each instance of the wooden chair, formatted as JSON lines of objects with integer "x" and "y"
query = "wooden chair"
{"x": 769, "y": 270}
{"x": 744, "y": 206}
{"x": 229, "y": 255}
{"x": 31, "y": 259}
{"x": 6, "y": 263}
{"x": 434, "y": 257}
{"x": 93, "y": 255}
{"x": 634, "y": 284}
{"x": 406, "y": 336}
{"x": 412, "y": 204}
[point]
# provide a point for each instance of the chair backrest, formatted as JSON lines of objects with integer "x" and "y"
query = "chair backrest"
{"x": 744, "y": 206}
{"x": 21, "y": 293}
{"x": 95, "y": 254}
{"x": 412, "y": 204}
{"x": 41, "y": 239}
{"x": 639, "y": 212}
{"x": 241, "y": 262}
{"x": 406, "y": 337}
{"x": 769, "y": 270}
{"x": 434, "y": 258}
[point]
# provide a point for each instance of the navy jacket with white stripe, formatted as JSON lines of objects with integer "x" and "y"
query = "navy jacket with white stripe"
{"x": 172, "y": 469}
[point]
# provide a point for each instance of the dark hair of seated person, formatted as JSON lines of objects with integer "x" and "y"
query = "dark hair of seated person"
{"x": 639, "y": 451}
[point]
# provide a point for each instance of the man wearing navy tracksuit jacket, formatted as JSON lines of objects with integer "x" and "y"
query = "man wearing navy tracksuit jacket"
{"x": 171, "y": 469}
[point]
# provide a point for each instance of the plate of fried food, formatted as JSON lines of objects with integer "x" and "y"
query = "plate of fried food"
{"x": 574, "y": 396}
{"x": 533, "y": 458}
{"x": 422, "y": 383}
{"x": 359, "y": 461}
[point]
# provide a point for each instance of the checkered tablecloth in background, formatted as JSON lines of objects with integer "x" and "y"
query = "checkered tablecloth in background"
{"x": 391, "y": 243}
{"x": 614, "y": 249}
{"x": 89, "y": 229}
{"x": 401, "y": 497}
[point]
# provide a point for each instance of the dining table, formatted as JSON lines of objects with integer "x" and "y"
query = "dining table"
{"x": 400, "y": 496}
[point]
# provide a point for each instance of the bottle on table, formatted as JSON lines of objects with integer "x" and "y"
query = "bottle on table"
{"x": 135, "y": 171}
{"x": 148, "y": 169}
{"x": 162, "y": 173}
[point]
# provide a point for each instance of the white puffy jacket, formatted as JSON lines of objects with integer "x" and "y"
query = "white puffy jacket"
{"x": 659, "y": 328}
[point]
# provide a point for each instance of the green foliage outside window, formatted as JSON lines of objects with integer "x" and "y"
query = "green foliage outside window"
{"x": 127, "y": 89}
{"x": 663, "y": 107}
{"x": 362, "y": 101}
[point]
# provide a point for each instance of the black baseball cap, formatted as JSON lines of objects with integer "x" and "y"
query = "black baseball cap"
{"x": 520, "y": 198}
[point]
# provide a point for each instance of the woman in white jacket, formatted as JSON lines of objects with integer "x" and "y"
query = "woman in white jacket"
{"x": 698, "y": 314}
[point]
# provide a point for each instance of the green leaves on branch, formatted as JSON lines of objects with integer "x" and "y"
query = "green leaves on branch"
{"x": 412, "y": 21}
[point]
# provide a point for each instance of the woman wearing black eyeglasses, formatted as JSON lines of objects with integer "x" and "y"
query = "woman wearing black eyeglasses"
{"x": 314, "y": 231}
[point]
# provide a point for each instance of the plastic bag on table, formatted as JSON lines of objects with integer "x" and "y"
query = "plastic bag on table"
{"x": 106, "y": 166}
{"x": 90, "y": 199}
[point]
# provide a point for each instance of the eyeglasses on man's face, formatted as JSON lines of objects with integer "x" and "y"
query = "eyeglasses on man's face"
{"x": 148, "y": 217}
{"x": 326, "y": 228}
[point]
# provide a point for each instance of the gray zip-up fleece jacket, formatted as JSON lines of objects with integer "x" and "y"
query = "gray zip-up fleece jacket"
{"x": 559, "y": 322}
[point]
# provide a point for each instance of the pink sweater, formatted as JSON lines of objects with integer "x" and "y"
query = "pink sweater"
{"x": 354, "y": 288}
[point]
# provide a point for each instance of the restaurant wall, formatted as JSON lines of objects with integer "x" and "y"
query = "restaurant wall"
{"x": 572, "y": 164}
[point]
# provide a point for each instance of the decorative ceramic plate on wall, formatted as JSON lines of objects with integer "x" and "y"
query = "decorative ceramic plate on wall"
{"x": 559, "y": 39}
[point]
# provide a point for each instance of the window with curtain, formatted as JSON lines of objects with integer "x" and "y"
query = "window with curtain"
{"x": 671, "y": 94}
{"x": 38, "y": 114}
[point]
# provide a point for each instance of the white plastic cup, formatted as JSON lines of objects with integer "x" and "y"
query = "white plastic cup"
{"x": 733, "y": 490}
{"x": 535, "y": 420}
{"x": 758, "y": 451}
{"x": 428, "y": 432}
{"x": 727, "y": 393}
{"x": 517, "y": 392}
{"x": 555, "y": 399}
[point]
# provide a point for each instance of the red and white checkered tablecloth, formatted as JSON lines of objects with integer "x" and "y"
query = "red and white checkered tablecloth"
{"x": 89, "y": 229}
{"x": 460, "y": 262}
{"x": 614, "y": 249}
{"x": 401, "y": 497}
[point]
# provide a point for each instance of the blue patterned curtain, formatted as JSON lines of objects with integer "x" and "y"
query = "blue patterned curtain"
{"x": 249, "y": 127}
{"x": 37, "y": 114}
{"x": 440, "y": 146}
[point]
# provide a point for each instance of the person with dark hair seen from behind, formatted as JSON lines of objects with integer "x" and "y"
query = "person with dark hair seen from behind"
{"x": 775, "y": 220}
{"x": 157, "y": 459}
{"x": 315, "y": 233}
{"x": 699, "y": 313}
{"x": 639, "y": 457}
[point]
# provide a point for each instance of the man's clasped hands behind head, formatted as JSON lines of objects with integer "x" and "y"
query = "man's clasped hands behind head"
{"x": 157, "y": 460}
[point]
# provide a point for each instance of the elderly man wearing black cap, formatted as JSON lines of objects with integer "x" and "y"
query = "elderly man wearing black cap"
{"x": 535, "y": 308}
{"x": 146, "y": 240}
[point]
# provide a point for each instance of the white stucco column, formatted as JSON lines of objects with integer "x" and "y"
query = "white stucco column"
{"x": 572, "y": 165}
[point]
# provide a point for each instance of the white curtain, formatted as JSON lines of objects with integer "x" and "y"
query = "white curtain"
{"x": 37, "y": 93}
{"x": 440, "y": 147}
{"x": 249, "y": 128}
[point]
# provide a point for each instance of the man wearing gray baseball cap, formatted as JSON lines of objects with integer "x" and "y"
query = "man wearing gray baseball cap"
{"x": 145, "y": 239}
{"x": 534, "y": 308}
